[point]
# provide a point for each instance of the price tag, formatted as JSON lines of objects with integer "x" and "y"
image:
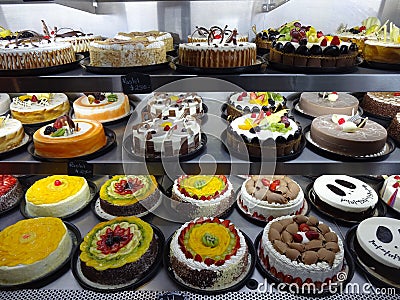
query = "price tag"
{"x": 172, "y": 296}
{"x": 136, "y": 83}
{"x": 80, "y": 168}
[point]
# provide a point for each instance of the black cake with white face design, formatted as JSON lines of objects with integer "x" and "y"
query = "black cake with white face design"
{"x": 345, "y": 193}
{"x": 379, "y": 239}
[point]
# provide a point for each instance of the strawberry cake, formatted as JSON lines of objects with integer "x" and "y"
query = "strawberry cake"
{"x": 10, "y": 192}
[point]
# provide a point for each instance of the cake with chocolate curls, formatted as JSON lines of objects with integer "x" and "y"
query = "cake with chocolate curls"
{"x": 266, "y": 197}
{"x": 301, "y": 250}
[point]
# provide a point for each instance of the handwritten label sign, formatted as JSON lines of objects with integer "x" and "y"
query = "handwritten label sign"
{"x": 133, "y": 83}
{"x": 172, "y": 296}
{"x": 80, "y": 168}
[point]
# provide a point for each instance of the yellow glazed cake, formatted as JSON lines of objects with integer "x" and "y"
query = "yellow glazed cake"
{"x": 11, "y": 133}
{"x": 57, "y": 196}
{"x": 39, "y": 107}
{"x": 118, "y": 251}
{"x": 32, "y": 248}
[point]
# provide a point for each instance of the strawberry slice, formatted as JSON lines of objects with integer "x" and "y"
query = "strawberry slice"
{"x": 198, "y": 258}
{"x": 319, "y": 34}
{"x": 312, "y": 235}
{"x": 244, "y": 94}
{"x": 335, "y": 41}
{"x": 226, "y": 223}
{"x": 396, "y": 94}
{"x": 362, "y": 28}
{"x": 324, "y": 42}
{"x": 209, "y": 261}
{"x": 253, "y": 96}
{"x": 304, "y": 227}
{"x": 265, "y": 182}
{"x": 297, "y": 238}
{"x": 219, "y": 262}
{"x": 261, "y": 97}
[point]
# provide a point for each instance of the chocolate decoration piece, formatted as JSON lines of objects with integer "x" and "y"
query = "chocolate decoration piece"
{"x": 274, "y": 235}
{"x": 287, "y": 237}
{"x": 297, "y": 246}
{"x": 277, "y": 226}
{"x": 292, "y": 254}
{"x": 326, "y": 255}
{"x": 323, "y": 228}
{"x": 332, "y": 246}
{"x": 336, "y": 190}
{"x": 312, "y": 221}
{"x": 331, "y": 237}
{"x": 346, "y": 184}
{"x": 280, "y": 246}
{"x": 384, "y": 234}
{"x": 309, "y": 257}
{"x": 314, "y": 245}
{"x": 286, "y": 222}
{"x": 292, "y": 228}
{"x": 300, "y": 219}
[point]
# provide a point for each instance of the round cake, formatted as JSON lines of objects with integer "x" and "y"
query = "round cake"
{"x": 29, "y": 53}
{"x": 249, "y": 133}
{"x": 253, "y": 102}
{"x": 382, "y": 52}
{"x": 102, "y": 107}
{"x": 129, "y": 195}
{"x": 202, "y": 195}
{"x": 117, "y": 53}
{"x": 377, "y": 246}
{"x": 216, "y": 34}
{"x": 385, "y": 104}
{"x": 226, "y": 55}
{"x": 323, "y": 54}
{"x": 39, "y": 107}
{"x": 301, "y": 250}
{"x": 394, "y": 128}
{"x": 68, "y": 138}
{"x": 267, "y": 197}
{"x": 166, "y": 137}
{"x": 4, "y": 103}
{"x": 389, "y": 192}
{"x": 118, "y": 251}
{"x": 345, "y": 196}
{"x": 338, "y": 134}
{"x": 208, "y": 253}
{"x": 31, "y": 248}
{"x": 318, "y": 104}
{"x": 11, "y": 133}
{"x": 57, "y": 196}
{"x": 175, "y": 105}
{"x": 10, "y": 192}
{"x": 149, "y": 36}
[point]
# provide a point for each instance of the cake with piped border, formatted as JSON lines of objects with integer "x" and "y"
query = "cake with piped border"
{"x": 301, "y": 250}
{"x": 202, "y": 195}
{"x": 118, "y": 251}
{"x": 208, "y": 253}
{"x": 385, "y": 104}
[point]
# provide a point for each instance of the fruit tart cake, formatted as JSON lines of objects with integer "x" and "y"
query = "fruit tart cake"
{"x": 34, "y": 108}
{"x": 166, "y": 137}
{"x": 218, "y": 35}
{"x": 324, "y": 103}
{"x": 10, "y": 192}
{"x": 31, "y": 248}
{"x": 253, "y": 102}
{"x": 118, "y": 251}
{"x": 301, "y": 250}
{"x": 175, "y": 105}
{"x": 327, "y": 52}
{"x": 208, "y": 253}
{"x": 341, "y": 135}
{"x": 5, "y": 102}
{"x": 30, "y": 50}
{"x": 11, "y": 133}
{"x": 344, "y": 196}
{"x": 389, "y": 192}
{"x": 385, "y": 104}
{"x": 101, "y": 107}
{"x": 117, "y": 53}
{"x": 129, "y": 195}
{"x": 67, "y": 138}
{"x": 249, "y": 133}
{"x": 377, "y": 246}
{"x": 79, "y": 40}
{"x": 266, "y": 197}
{"x": 291, "y": 31}
{"x": 228, "y": 53}
{"x": 149, "y": 36}
{"x": 57, "y": 196}
{"x": 202, "y": 195}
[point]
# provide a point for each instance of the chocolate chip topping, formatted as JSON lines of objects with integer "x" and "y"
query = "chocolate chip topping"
{"x": 304, "y": 239}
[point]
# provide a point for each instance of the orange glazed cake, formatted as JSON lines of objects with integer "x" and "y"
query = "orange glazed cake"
{"x": 68, "y": 138}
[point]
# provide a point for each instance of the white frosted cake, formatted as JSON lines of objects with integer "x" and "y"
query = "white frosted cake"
{"x": 344, "y": 194}
{"x": 101, "y": 107}
{"x": 266, "y": 197}
{"x": 11, "y": 133}
{"x": 166, "y": 137}
{"x": 32, "y": 248}
{"x": 389, "y": 192}
{"x": 377, "y": 245}
{"x": 202, "y": 195}
{"x": 57, "y": 196}
{"x": 39, "y": 107}
{"x": 301, "y": 250}
{"x": 175, "y": 105}
{"x": 5, "y": 102}
{"x": 208, "y": 253}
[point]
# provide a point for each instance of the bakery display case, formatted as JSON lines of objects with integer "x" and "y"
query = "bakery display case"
{"x": 212, "y": 155}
